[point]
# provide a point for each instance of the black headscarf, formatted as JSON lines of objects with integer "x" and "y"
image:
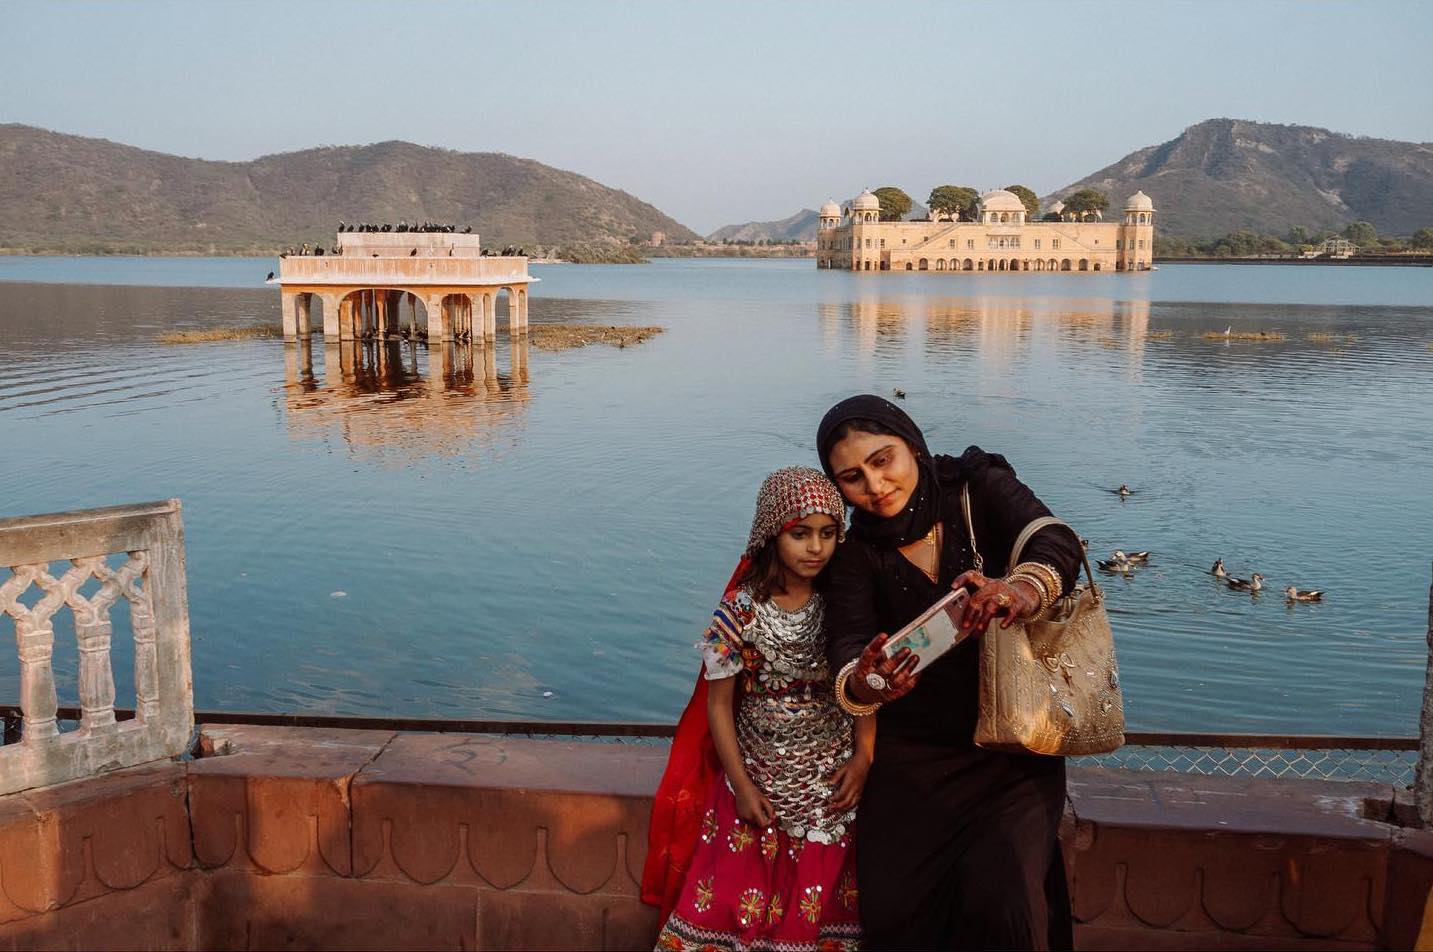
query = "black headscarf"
{"x": 937, "y": 493}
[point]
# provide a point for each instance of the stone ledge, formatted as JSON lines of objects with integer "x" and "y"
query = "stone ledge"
{"x": 367, "y": 839}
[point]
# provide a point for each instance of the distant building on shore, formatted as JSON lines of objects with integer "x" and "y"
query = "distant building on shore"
{"x": 1001, "y": 239}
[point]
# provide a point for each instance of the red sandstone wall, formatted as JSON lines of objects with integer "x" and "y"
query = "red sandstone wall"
{"x": 360, "y": 839}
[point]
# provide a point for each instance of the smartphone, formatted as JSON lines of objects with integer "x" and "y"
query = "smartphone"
{"x": 934, "y": 632}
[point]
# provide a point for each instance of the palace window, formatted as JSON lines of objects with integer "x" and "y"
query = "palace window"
{"x": 952, "y": 242}
{"x": 1037, "y": 244}
{"x": 883, "y": 242}
{"x": 868, "y": 242}
{"x": 1015, "y": 242}
{"x": 970, "y": 244}
{"x": 1141, "y": 244}
{"x": 1055, "y": 243}
{"x": 1118, "y": 244}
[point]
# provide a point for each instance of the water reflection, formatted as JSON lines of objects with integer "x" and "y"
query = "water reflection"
{"x": 995, "y": 328}
{"x": 399, "y": 399}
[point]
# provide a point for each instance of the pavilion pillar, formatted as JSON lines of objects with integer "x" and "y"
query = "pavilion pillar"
{"x": 347, "y": 318}
{"x": 288, "y": 312}
{"x": 301, "y": 315}
{"x": 330, "y": 316}
{"x": 490, "y": 315}
{"x": 440, "y": 327}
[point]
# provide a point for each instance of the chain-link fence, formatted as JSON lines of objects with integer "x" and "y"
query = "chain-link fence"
{"x": 1384, "y": 760}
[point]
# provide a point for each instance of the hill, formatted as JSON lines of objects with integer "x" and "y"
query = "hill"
{"x": 67, "y": 193}
{"x": 798, "y": 227}
{"x": 1227, "y": 174}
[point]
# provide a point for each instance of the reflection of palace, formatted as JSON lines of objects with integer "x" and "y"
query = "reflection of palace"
{"x": 381, "y": 400}
{"x": 993, "y": 328}
{"x": 1001, "y": 239}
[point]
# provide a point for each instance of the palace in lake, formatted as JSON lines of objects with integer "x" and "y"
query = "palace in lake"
{"x": 1000, "y": 239}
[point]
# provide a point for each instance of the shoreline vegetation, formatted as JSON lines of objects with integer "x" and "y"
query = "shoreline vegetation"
{"x": 549, "y": 337}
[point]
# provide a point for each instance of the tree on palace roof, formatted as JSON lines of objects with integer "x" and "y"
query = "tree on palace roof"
{"x": 1027, "y": 198}
{"x": 957, "y": 201}
{"x": 895, "y": 204}
{"x": 1087, "y": 201}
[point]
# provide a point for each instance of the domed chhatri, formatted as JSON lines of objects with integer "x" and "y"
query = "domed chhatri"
{"x": 866, "y": 201}
{"x": 1139, "y": 202}
{"x": 1001, "y": 201}
{"x": 1003, "y": 235}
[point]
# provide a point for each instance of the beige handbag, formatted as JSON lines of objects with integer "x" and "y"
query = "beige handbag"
{"x": 1050, "y": 685}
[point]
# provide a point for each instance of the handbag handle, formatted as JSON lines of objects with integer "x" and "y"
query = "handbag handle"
{"x": 1034, "y": 526}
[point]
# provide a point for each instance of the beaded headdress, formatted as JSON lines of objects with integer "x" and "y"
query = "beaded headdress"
{"x": 790, "y": 495}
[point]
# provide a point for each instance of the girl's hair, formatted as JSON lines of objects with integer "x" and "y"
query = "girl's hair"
{"x": 764, "y": 577}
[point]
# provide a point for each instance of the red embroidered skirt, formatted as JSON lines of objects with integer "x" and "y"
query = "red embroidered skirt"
{"x": 763, "y": 890}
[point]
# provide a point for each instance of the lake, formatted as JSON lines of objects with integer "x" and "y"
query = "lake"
{"x": 516, "y": 533}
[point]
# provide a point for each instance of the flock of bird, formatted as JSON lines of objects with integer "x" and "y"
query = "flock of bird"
{"x": 1125, "y": 563}
{"x": 403, "y": 226}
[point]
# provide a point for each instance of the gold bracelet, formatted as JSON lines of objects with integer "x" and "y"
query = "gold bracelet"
{"x": 1056, "y": 585}
{"x": 853, "y": 708}
{"x": 1042, "y": 593}
{"x": 1044, "y": 578}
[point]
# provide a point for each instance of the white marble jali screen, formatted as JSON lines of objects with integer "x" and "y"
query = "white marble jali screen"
{"x": 92, "y": 566}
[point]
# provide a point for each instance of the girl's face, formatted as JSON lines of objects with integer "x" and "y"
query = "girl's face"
{"x": 806, "y": 547}
{"x": 876, "y": 473}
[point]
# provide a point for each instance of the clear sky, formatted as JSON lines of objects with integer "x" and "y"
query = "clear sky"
{"x": 718, "y": 112}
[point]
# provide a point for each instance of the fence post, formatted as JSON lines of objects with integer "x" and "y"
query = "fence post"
{"x": 1423, "y": 778}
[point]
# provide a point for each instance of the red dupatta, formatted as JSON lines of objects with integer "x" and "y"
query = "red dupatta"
{"x": 692, "y": 767}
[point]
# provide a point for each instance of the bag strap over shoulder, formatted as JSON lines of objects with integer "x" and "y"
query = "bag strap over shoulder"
{"x": 1034, "y": 526}
{"x": 970, "y": 527}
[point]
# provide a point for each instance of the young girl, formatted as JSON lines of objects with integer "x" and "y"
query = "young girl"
{"x": 751, "y": 837}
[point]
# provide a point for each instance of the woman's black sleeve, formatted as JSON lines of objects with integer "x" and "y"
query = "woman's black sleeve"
{"x": 851, "y": 617}
{"x": 1009, "y": 506}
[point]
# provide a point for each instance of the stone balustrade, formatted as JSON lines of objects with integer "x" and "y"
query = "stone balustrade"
{"x": 367, "y": 271}
{"x": 131, "y": 554}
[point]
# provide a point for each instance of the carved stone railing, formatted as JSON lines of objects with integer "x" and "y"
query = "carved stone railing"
{"x": 150, "y": 578}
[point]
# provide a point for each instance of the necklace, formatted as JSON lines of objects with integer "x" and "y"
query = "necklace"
{"x": 932, "y": 544}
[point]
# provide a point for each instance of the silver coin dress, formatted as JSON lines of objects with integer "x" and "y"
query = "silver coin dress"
{"x": 792, "y": 734}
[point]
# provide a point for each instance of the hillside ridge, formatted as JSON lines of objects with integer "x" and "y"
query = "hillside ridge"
{"x": 67, "y": 193}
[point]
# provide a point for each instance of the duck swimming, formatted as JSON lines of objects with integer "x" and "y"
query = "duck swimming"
{"x": 1294, "y": 595}
{"x": 1217, "y": 569}
{"x": 1254, "y": 584}
{"x": 1119, "y": 562}
{"x": 1139, "y": 558}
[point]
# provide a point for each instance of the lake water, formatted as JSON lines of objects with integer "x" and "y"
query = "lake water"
{"x": 542, "y": 535}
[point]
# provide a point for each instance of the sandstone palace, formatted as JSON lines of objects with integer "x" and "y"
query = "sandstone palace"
{"x": 1000, "y": 239}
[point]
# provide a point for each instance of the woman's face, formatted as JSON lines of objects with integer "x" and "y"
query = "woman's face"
{"x": 806, "y": 547}
{"x": 876, "y": 473}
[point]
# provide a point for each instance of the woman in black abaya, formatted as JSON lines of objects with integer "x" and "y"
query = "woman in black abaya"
{"x": 959, "y": 846}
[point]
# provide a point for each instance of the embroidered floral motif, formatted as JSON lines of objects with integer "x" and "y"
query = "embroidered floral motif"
{"x": 774, "y": 911}
{"x": 794, "y": 847}
{"x": 670, "y": 942}
{"x": 751, "y": 907}
{"x": 706, "y": 891}
{"x": 848, "y": 891}
{"x": 831, "y": 945}
{"x": 740, "y": 838}
{"x": 709, "y": 826}
{"x": 769, "y": 844}
{"x": 811, "y": 904}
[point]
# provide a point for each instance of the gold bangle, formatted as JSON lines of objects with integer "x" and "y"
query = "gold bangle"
{"x": 1056, "y": 585}
{"x": 1042, "y": 594}
{"x": 845, "y": 703}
